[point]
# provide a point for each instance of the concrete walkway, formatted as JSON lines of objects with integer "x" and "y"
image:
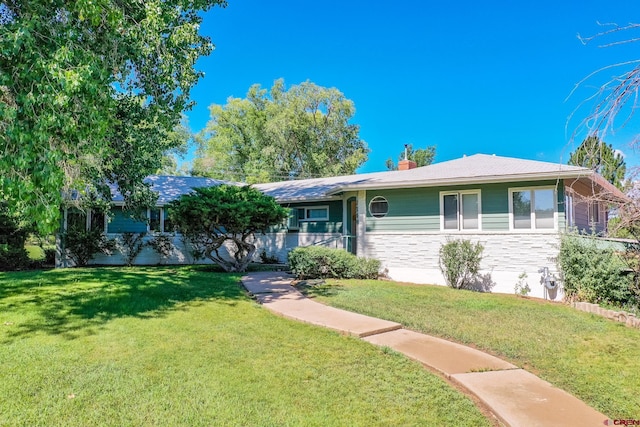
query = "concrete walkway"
{"x": 515, "y": 396}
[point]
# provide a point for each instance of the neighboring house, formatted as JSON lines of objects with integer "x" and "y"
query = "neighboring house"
{"x": 516, "y": 208}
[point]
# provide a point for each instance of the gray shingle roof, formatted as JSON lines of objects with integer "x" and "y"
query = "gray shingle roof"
{"x": 479, "y": 168}
{"x": 171, "y": 187}
{"x": 470, "y": 169}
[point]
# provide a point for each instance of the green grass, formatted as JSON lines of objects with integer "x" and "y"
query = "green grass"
{"x": 595, "y": 359}
{"x": 186, "y": 346}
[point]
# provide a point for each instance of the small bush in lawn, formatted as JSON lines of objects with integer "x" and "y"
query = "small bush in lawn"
{"x": 314, "y": 262}
{"x": 460, "y": 262}
{"x": 593, "y": 272}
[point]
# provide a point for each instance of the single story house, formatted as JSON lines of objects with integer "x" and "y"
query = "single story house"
{"x": 517, "y": 209}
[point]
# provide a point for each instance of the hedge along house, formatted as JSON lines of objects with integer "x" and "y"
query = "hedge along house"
{"x": 517, "y": 209}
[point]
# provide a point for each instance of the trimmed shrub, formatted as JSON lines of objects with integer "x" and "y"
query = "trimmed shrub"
{"x": 13, "y": 258}
{"x": 460, "y": 263}
{"x": 314, "y": 262}
{"x": 593, "y": 272}
{"x": 83, "y": 245}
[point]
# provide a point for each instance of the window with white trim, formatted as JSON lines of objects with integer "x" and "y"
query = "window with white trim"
{"x": 313, "y": 213}
{"x": 378, "y": 207}
{"x": 569, "y": 210}
{"x": 532, "y": 208}
{"x": 460, "y": 210}
{"x": 79, "y": 220}
{"x": 292, "y": 221}
{"x": 159, "y": 221}
{"x": 594, "y": 213}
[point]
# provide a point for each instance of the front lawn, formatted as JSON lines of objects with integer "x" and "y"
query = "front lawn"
{"x": 593, "y": 358}
{"x": 186, "y": 346}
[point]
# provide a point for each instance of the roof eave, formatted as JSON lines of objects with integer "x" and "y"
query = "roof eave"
{"x": 466, "y": 181}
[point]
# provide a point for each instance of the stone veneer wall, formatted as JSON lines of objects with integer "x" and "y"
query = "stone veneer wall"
{"x": 414, "y": 257}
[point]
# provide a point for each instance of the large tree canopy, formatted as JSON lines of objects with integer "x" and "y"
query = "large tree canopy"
{"x": 90, "y": 92}
{"x": 599, "y": 156}
{"x": 422, "y": 156}
{"x": 302, "y": 132}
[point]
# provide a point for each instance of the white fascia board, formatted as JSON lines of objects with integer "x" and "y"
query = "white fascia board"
{"x": 466, "y": 181}
{"x": 307, "y": 200}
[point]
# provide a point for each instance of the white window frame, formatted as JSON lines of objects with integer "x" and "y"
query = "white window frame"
{"x": 292, "y": 222}
{"x": 569, "y": 209}
{"x": 87, "y": 220}
{"x": 460, "y": 228}
{"x": 161, "y": 219}
{"x": 376, "y": 199}
{"x": 306, "y": 210}
{"x": 594, "y": 213}
{"x": 533, "y": 209}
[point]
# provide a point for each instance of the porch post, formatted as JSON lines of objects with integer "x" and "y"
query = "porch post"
{"x": 362, "y": 223}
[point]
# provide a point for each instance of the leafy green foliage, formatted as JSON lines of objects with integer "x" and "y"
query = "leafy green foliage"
{"x": 602, "y": 158}
{"x": 13, "y": 234}
{"x": 422, "y": 156}
{"x": 130, "y": 245}
{"x": 302, "y": 132}
{"x": 225, "y": 218}
{"x": 593, "y": 272}
{"x": 90, "y": 92}
{"x": 83, "y": 245}
{"x": 460, "y": 262}
{"x": 313, "y": 262}
{"x": 13, "y": 258}
{"x": 522, "y": 287}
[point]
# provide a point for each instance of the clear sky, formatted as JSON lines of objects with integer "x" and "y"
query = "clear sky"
{"x": 466, "y": 76}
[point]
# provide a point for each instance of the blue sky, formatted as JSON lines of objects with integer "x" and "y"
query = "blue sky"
{"x": 467, "y": 76}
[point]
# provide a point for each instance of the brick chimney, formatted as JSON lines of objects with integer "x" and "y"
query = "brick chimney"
{"x": 404, "y": 165}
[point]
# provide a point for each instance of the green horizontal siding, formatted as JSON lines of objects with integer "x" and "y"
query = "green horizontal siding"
{"x": 121, "y": 222}
{"x": 409, "y": 209}
{"x": 418, "y": 209}
{"x": 333, "y": 225}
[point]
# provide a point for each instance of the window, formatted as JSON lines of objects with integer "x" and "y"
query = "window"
{"x": 533, "y": 209}
{"x": 378, "y": 207}
{"x": 76, "y": 219}
{"x": 594, "y": 213}
{"x": 460, "y": 210}
{"x": 167, "y": 224}
{"x": 159, "y": 221}
{"x": 97, "y": 221}
{"x": 154, "y": 219}
{"x": 291, "y": 222}
{"x": 315, "y": 213}
{"x": 569, "y": 210}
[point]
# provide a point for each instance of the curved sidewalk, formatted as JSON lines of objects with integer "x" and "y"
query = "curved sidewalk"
{"x": 515, "y": 396}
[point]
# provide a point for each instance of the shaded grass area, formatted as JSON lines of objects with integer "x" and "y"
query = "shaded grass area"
{"x": 185, "y": 346}
{"x": 593, "y": 358}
